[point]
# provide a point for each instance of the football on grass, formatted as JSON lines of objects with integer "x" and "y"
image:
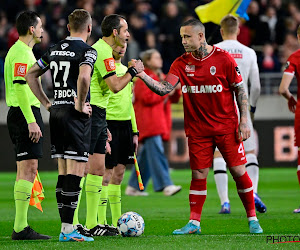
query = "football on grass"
{"x": 131, "y": 224}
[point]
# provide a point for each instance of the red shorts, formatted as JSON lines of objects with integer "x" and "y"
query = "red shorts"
{"x": 201, "y": 151}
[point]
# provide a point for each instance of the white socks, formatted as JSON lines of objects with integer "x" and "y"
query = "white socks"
{"x": 221, "y": 179}
{"x": 67, "y": 228}
{"x": 253, "y": 170}
{"x": 195, "y": 222}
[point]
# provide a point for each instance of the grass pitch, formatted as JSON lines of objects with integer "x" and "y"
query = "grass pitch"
{"x": 278, "y": 188}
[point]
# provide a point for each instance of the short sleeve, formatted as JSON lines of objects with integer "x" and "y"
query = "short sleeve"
{"x": 105, "y": 64}
{"x": 174, "y": 69}
{"x": 234, "y": 75}
{"x": 290, "y": 66}
{"x": 89, "y": 57}
{"x": 20, "y": 67}
{"x": 44, "y": 61}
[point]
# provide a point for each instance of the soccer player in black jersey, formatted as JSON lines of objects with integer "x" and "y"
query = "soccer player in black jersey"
{"x": 71, "y": 62}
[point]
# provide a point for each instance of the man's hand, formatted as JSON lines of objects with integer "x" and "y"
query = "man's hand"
{"x": 292, "y": 104}
{"x": 132, "y": 63}
{"x": 107, "y": 148}
{"x": 139, "y": 66}
{"x": 135, "y": 143}
{"x": 244, "y": 131}
{"x": 35, "y": 132}
{"x": 86, "y": 108}
{"x": 109, "y": 136}
{"x": 48, "y": 106}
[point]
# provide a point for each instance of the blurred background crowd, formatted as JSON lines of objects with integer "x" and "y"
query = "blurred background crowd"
{"x": 270, "y": 31}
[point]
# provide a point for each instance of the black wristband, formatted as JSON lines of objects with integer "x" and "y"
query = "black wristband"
{"x": 136, "y": 133}
{"x": 252, "y": 109}
{"x": 132, "y": 71}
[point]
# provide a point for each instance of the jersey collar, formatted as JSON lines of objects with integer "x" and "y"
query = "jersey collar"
{"x": 74, "y": 38}
{"x": 23, "y": 44}
{"x": 204, "y": 58}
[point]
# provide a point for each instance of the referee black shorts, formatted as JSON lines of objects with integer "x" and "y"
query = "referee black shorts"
{"x": 99, "y": 130}
{"x": 122, "y": 148}
{"x": 18, "y": 130}
{"x": 70, "y": 132}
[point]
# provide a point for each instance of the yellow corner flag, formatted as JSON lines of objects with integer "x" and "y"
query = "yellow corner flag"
{"x": 216, "y": 10}
{"x": 37, "y": 193}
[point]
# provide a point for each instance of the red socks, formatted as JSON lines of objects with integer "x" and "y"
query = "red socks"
{"x": 245, "y": 191}
{"x": 198, "y": 192}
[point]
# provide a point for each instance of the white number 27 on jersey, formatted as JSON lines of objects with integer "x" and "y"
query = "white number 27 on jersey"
{"x": 66, "y": 65}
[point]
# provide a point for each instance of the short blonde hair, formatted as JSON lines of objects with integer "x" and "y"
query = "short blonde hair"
{"x": 79, "y": 19}
{"x": 146, "y": 55}
{"x": 229, "y": 24}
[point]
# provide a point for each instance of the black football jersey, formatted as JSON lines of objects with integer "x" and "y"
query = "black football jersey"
{"x": 64, "y": 60}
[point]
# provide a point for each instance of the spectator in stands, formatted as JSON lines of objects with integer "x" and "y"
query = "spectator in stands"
{"x": 143, "y": 8}
{"x": 170, "y": 41}
{"x": 154, "y": 123}
{"x": 268, "y": 61}
{"x": 290, "y": 46}
{"x": 260, "y": 32}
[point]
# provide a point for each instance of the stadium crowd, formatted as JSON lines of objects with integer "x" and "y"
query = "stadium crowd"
{"x": 271, "y": 29}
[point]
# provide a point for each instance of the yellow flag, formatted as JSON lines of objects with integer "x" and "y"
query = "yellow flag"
{"x": 216, "y": 10}
{"x": 37, "y": 193}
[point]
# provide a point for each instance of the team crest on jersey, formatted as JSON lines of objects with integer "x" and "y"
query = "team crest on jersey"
{"x": 109, "y": 64}
{"x": 190, "y": 68}
{"x": 64, "y": 45}
{"x": 213, "y": 70}
{"x": 287, "y": 65}
{"x": 20, "y": 69}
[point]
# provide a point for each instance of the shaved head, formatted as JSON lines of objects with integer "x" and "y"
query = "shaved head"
{"x": 196, "y": 24}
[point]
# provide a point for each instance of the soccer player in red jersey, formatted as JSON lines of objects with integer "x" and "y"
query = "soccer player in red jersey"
{"x": 293, "y": 68}
{"x": 209, "y": 77}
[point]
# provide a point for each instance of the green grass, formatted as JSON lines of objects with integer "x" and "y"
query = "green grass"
{"x": 278, "y": 187}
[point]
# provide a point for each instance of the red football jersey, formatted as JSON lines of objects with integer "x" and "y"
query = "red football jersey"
{"x": 293, "y": 67}
{"x": 208, "y": 97}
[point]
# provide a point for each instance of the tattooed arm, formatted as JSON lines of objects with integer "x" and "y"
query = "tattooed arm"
{"x": 242, "y": 101}
{"x": 161, "y": 88}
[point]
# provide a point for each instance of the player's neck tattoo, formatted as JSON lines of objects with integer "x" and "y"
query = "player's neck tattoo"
{"x": 202, "y": 51}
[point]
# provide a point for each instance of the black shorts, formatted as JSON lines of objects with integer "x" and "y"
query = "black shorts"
{"x": 70, "y": 133}
{"x": 122, "y": 148}
{"x": 99, "y": 130}
{"x": 18, "y": 130}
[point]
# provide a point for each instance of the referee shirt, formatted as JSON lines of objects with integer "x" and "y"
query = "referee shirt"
{"x": 18, "y": 61}
{"x": 104, "y": 67}
{"x": 120, "y": 104}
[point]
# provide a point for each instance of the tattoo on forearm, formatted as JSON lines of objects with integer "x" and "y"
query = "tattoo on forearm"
{"x": 202, "y": 51}
{"x": 160, "y": 88}
{"x": 242, "y": 100}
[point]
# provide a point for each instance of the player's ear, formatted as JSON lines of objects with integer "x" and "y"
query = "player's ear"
{"x": 238, "y": 31}
{"x": 201, "y": 35}
{"x": 69, "y": 28}
{"x": 222, "y": 32}
{"x": 115, "y": 32}
{"x": 30, "y": 30}
{"x": 89, "y": 28}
